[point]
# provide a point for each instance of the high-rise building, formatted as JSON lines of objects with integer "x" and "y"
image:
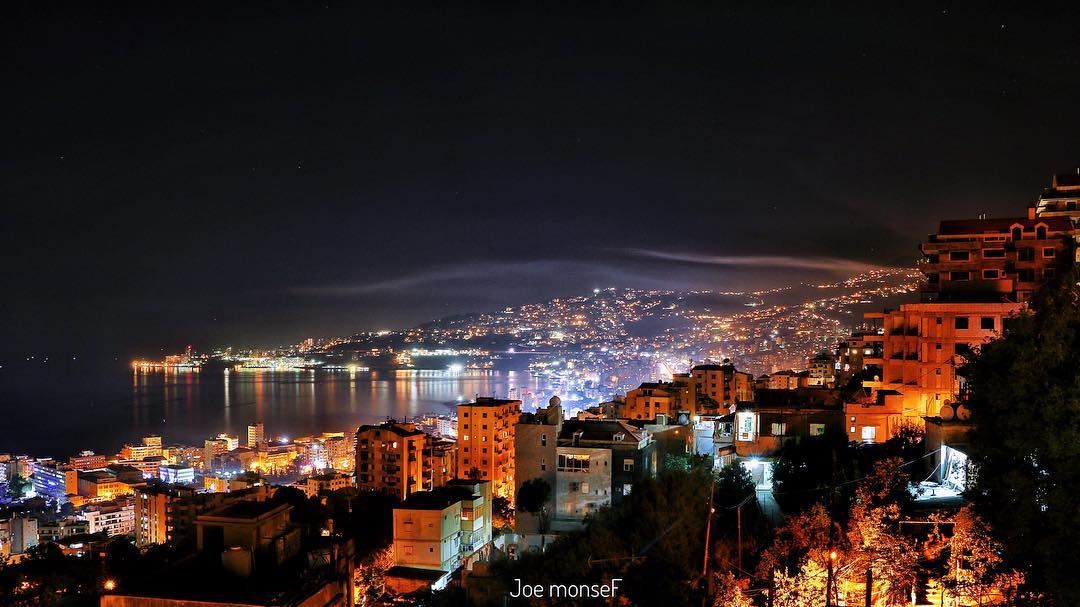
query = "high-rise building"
{"x": 255, "y": 435}
{"x": 389, "y": 458}
{"x": 486, "y": 442}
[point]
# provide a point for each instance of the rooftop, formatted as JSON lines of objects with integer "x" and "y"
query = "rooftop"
{"x": 399, "y": 428}
{"x": 600, "y": 430}
{"x": 956, "y": 227}
{"x": 487, "y": 401}
{"x": 248, "y": 510}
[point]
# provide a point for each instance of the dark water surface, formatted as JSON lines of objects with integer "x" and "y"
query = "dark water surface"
{"x": 57, "y": 412}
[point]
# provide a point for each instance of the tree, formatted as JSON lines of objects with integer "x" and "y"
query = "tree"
{"x": 370, "y": 576}
{"x": 534, "y": 497}
{"x": 728, "y": 593}
{"x": 1025, "y": 447}
{"x": 976, "y": 569}
{"x": 874, "y": 531}
{"x": 19, "y": 486}
{"x": 733, "y": 482}
{"x": 676, "y": 462}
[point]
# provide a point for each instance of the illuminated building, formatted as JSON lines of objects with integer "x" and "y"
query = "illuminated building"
{"x": 51, "y": 481}
{"x": 821, "y": 370}
{"x": 255, "y": 435}
{"x": 326, "y": 483}
{"x": 167, "y": 513}
{"x": 664, "y": 398}
{"x": 175, "y": 474}
{"x": 723, "y": 383}
{"x": 486, "y": 442}
{"x": 151, "y": 446}
{"x": 101, "y": 485}
{"x": 440, "y": 531}
{"x": 979, "y": 272}
{"x": 111, "y": 518}
{"x": 389, "y": 458}
{"x": 212, "y": 448}
{"x": 87, "y": 460}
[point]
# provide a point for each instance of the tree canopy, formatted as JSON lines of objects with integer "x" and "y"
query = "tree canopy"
{"x": 1025, "y": 398}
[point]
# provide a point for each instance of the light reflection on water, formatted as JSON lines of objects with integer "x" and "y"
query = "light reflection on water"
{"x": 186, "y": 407}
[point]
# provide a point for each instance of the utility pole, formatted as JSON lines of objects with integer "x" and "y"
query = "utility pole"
{"x": 869, "y": 585}
{"x": 708, "y": 530}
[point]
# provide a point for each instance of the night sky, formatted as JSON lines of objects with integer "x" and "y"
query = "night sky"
{"x": 223, "y": 174}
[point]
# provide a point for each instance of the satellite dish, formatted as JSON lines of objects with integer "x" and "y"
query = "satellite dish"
{"x": 963, "y": 413}
{"x": 946, "y": 413}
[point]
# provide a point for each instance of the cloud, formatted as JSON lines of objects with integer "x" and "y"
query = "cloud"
{"x": 826, "y": 264}
{"x": 480, "y": 274}
{"x": 635, "y": 268}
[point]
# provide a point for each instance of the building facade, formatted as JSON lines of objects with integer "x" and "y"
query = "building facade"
{"x": 486, "y": 442}
{"x": 389, "y": 458}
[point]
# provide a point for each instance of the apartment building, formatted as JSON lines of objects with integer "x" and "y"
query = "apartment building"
{"x": 723, "y": 383}
{"x": 486, "y": 442}
{"x": 389, "y": 458}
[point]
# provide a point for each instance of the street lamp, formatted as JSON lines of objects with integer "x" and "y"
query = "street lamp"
{"x": 829, "y": 579}
{"x": 110, "y": 585}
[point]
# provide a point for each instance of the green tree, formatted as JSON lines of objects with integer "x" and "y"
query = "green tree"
{"x": 533, "y": 498}
{"x": 1025, "y": 399}
{"x": 19, "y": 486}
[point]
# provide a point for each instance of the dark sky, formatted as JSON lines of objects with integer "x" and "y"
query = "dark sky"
{"x": 221, "y": 173}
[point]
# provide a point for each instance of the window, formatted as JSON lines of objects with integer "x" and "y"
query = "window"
{"x": 485, "y": 415}
{"x": 937, "y": 346}
{"x": 994, "y": 253}
{"x": 869, "y": 433}
{"x": 543, "y": 440}
{"x": 991, "y": 274}
{"x": 1049, "y": 252}
{"x": 573, "y": 462}
{"x": 628, "y": 465}
{"x": 1040, "y": 232}
{"x": 986, "y": 323}
{"x": 1049, "y": 273}
{"x": 584, "y": 487}
{"x": 626, "y": 488}
{"x": 778, "y": 429}
{"x": 1025, "y": 275}
{"x": 959, "y": 275}
{"x": 408, "y": 550}
{"x": 817, "y": 429}
{"x": 962, "y": 349}
{"x": 1017, "y": 233}
{"x": 543, "y": 463}
{"x": 937, "y": 321}
{"x": 1025, "y": 254}
{"x": 961, "y": 322}
{"x": 959, "y": 256}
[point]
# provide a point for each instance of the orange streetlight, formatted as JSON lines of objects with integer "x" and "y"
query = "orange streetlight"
{"x": 110, "y": 585}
